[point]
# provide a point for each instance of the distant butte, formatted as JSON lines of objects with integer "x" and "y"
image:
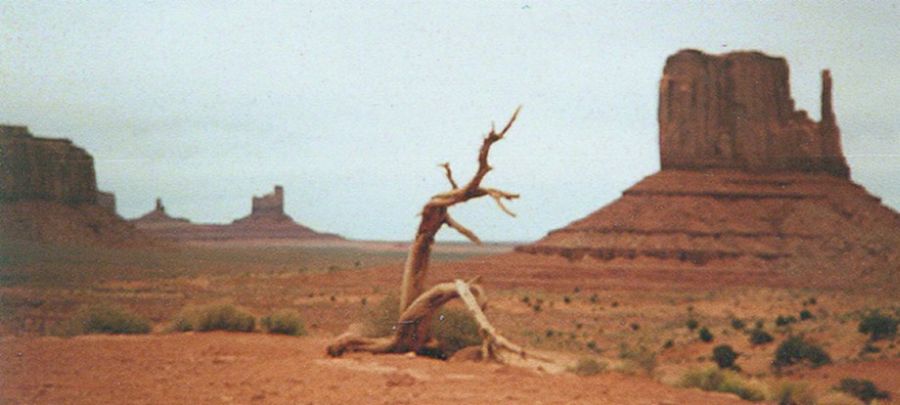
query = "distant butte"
{"x": 48, "y": 193}
{"x": 747, "y": 181}
{"x": 267, "y": 221}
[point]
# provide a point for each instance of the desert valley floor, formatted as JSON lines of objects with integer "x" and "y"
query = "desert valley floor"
{"x": 628, "y": 315}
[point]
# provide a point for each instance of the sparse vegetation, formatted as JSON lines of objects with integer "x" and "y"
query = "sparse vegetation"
{"x": 805, "y": 315}
{"x": 692, "y": 324}
{"x": 454, "y": 329}
{"x": 865, "y": 390}
{"x": 381, "y": 319}
{"x": 760, "y": 337}
{"x": 796, "y": 349}
{"x": 640, "y": 357}
{"x": 212, "y": 317}
{"x": 878, "y": 326}
{"x": 587, "y": 367}
{"x": 794, "y": 393}
{"x": 285, "y": 322}
{"x": 782, "y": 320}
{"x": 103, "y": 319}
{"x": 705, "y": 335}
{"x": 724, "y": 356}
{"x": 737, "y": 324}
{"x": 713, "y": 379}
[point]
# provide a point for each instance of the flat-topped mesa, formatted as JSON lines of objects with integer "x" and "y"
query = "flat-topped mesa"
{"x": 735, "y": 111}
{"x": 33, "y": 168}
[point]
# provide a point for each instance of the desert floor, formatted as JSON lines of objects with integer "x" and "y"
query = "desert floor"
{"x": 629, "y": 316}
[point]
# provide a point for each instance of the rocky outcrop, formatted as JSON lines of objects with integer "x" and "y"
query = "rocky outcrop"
{"x": 158, "y": 216}
{"x": 747, "y": 182}
{"x": 735, "y": 111}
{"x": 44, "y": 169}
{"x": 48, "y": 193}
{"x": 107, "y": 200}
{"x": 267, "y": 220}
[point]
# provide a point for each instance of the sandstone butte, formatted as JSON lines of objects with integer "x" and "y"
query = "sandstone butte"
{"x": 48, "y": 193}
{"x": 267, "y": 220}
{"x": 746, "y": 182}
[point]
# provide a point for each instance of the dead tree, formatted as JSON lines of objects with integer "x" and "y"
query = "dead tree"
{"x": 417, "y": 307}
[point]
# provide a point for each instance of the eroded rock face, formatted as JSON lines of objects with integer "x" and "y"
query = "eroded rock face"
{"x": 735, "y": 111}
{"x": 44, "y": 169}
{"x": 747, "y": 182}
{"x": 48, "y": 194}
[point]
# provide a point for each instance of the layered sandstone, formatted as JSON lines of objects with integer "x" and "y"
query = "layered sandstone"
{"x": 735, "y": 111}
{"x": 44, "y": 169}
{"x": 746, "y": 179}
{"x": 48, "y": 193}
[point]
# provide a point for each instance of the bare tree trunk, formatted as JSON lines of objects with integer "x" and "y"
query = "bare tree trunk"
{"x": 417, "y": 306}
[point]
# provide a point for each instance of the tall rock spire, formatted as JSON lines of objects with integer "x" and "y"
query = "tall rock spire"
{"x": 833, "y": 160}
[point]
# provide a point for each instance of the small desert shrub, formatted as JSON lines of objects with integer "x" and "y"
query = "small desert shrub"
{"x": 705, "y": 335}
{"x": 838, "y": 398}
{"x": 106, "y": 319}
{"x": 381, "y": 319}
{"x": 760, "y": 337}
{"x": 669, "y": 344}
{"x": 782, "y": 320}
{"x": 796, "y": 350}
{"x": 713, "y": 379}
{"x": 794, "y": 393}
{"x": 454, "y": 329}
{"x": 724, "y": 356}
{"x": 641, "y": 357}
{"x": 211, "y": 317}
{"x": 878, "y": 326}
{"x": 692, "y": 324}
{"x": 588, "y": 367}
{"x": 285, "y": 322}
{"x": 862, "y": 389}
{"x": 737, "y": 324}
{"x": 805, "y": 315}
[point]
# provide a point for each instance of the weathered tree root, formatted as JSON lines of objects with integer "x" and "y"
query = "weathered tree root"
{"x": 417, "y": 308}
{"x": 494, "y": 346}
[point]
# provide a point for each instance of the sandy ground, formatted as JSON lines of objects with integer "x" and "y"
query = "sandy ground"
{"x": 253, "y": 368}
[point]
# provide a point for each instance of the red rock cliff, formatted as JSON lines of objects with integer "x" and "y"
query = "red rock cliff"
{"x": 735, "y": 111}
{"x": 44, "y": 169}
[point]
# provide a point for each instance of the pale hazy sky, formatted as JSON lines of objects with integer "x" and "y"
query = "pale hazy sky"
{"x": 351, "y": 105}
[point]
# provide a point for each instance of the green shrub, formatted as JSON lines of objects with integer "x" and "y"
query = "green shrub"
{"x": 692, "y": 324}
{"x": 705, "y": 335}
{"x": 724, "y": 356}
{"x": 794, "y": 393}
{"x": 381, "y": 319}
{"x": 782, "y": 320}
{"x": 713, "y": 379}
{"x": 878, "y": 326}
{"x": 737, "y": 324}
{"x": 796, "y": 350}
{"x": 588, "y": 367}
{"x": 760, "y": 337}
{"x": 805, "y": 315}
{"x": 105, "y": 319}
{"x": 211, "y": 317}
{"x": 862, "y": 389}
{"x": 285, "y": 322}
{"x": 454, "y": 329}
